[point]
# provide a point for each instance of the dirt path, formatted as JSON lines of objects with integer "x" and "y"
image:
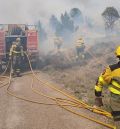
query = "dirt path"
{"x": 18, "y": 114}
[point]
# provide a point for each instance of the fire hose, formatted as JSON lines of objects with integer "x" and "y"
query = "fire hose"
{"x": 64, "y": 103}
{"x": 4, "y": 83}
{"x": 74, "y": 101}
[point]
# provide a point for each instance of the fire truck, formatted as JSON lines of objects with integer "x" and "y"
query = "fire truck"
{"x": 29, "y": 40}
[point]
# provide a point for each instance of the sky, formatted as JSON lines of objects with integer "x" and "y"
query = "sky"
{"x": 29, "y": 11}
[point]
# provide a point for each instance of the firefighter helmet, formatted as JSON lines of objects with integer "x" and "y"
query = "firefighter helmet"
{"x": 17, "y": 39}
{"x": 80, "y": 38}
{"x": 117, "y": 51}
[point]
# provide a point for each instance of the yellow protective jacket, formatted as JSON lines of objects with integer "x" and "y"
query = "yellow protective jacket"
{"x": 79, "y": 43}
{"x": 58, "y": 41}
{"x": 16, "y": 50}
{"x": 111, "y": 78}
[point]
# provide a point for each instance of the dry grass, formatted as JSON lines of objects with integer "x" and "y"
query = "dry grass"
{"x": 81, "y": 78}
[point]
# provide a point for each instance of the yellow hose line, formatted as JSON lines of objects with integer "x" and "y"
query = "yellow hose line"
{"x": 69, "y": 102}
{"x": 67, "y": 95}
{"x": 4, "y": 83}
{"x": 89, "y": 118}
{"x": 96, "y": 110}
{"x": 60, "y": 100}
{"x": 23, "y": 98}
{"x": 64, "y": 103}
{"x": 76, "y": 105}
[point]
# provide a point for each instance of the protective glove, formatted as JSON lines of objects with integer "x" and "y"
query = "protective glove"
{"x": 98, "y": 101}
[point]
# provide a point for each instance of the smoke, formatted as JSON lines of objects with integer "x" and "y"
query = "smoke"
{"x": 28, "y": 11}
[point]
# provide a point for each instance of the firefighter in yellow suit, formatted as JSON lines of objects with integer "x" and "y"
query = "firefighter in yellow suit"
{"x": 80, "y": 48}
{"x": 58, "y": 41}
{"x": 110, "y": 78}
{"x": 16, "y": 54}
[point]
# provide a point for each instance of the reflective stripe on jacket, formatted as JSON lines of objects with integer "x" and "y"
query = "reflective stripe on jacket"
{"x": 16, "y": 50}
{"x": 111, "y": 78}
{"x": 79, "y": 43}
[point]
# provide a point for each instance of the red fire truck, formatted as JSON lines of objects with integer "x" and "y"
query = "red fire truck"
{"x": 29, "y": 40}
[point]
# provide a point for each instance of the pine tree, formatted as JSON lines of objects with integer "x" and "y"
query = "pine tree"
{"x": 54, "y": 23}
{"x": 41, "y": 32}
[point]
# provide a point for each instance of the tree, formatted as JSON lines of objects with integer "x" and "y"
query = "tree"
{"x": 74, "y": 12}
{"x": 54, "y": 22}
{"x": 59, "y": 30}
{"x": 76, "y": 15}
{"x": 63, "y": 28}
{"x": 110, "y": 15}
{"x": 67, "y": 22}
{"x": 56, "y": 25}
{"x": 67, "y": 26}
{"x": 41, "y": 32}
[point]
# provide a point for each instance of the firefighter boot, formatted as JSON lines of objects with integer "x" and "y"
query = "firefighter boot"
{"x": 18, "y": 73}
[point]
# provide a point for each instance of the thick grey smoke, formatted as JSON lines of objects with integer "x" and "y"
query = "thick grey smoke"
{"x": 28, "y": 11}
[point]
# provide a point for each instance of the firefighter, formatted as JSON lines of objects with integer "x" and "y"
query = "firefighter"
{"x": 58, "y": 43}
{"x": 80, "y": 48}
{"x": 16, "y": 55}
{"x": 110, "y": 78}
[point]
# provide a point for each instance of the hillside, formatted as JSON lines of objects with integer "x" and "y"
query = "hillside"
{"x": 80, "y": 77}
